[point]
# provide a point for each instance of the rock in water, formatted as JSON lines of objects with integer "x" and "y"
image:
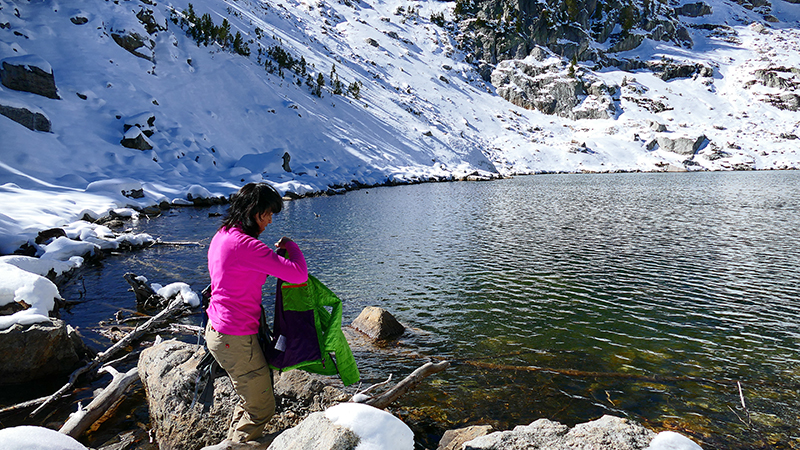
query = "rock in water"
{"x": 378, "y": 324}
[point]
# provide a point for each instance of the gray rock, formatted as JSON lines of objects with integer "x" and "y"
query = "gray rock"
{"x": 316, "y": 433}
{"x": 168, "y": 371}
{"x": 681, "y": 145}
{"x": 378, "y": 324}
{"x": 551, "y": 89}
{"x": 694, "y": 10}
{"x": 658, "y": 127}
{"x": 34, "y": 121}
{"x": 606, "y": 433}
{"x": 79, "y": 19}
{"x": 50, "y": 348}
{"x": 669, "y": 69}
{"x": 145, "y": 121}
{"x": 29, "y": 73}
{"x": 135, "y": 43}
{"x": 136, "y": 139}
{"x": 455, "y": 439}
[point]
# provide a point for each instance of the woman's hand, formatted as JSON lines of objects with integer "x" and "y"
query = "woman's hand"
{"x": 282, "y": 242}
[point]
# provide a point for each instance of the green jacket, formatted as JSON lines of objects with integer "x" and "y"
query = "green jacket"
{"x": 306, "y": 335}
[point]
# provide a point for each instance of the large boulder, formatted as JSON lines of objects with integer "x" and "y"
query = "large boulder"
{"x": 51, "y": 348}
{"x": 29, "y": 73}
{"x": 180, "y": 419}
{"x": 34, "y": 121}
{"x": 378, "y": 324}
{"x": 681, "y": 145}
{"x": 168, "y": 371}
{"x": 606, "y": 433}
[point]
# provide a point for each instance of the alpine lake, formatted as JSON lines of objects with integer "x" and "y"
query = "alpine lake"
{"x": 668, "y": 298}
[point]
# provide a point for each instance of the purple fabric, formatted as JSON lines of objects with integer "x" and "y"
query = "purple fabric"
{"x": 299, "y": 334}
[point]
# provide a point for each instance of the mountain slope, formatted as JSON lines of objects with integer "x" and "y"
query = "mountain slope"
{"x": 413, "y": 105}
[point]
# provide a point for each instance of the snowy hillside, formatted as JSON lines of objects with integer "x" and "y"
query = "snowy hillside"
{"x": 408, "y": 105}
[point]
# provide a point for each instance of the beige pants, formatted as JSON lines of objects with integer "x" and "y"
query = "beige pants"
{"x": 242, "y": 358}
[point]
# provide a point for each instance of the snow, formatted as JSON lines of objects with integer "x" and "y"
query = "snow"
{"x": 670, "y": 440}
{"x": 377, "y": 429}
{"x": 178, "y": 288}
{"x": 27, "y": 437}
{"x": 221, "y": 120}
{"x": 18, "y": 285}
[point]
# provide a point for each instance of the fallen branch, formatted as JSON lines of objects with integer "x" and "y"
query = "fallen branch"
{"x": 410, "y": 382}
{"x": 23, "y": 405}
{"x": 172, "y": 309}
{"x": 82, "y": 419}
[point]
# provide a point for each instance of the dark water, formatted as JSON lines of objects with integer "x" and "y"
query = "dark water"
{"x": 646, "y": 296}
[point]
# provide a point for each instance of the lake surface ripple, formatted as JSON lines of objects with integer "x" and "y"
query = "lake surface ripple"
{"x": 648, "y": 296}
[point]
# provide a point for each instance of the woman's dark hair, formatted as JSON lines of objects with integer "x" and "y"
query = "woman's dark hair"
{"x": 251, "y": 200}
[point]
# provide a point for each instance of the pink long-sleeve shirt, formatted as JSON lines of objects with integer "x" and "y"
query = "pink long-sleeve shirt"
{"x": 239, "y": 265}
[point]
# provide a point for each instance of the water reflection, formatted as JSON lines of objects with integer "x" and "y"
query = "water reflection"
{"x": 668, "y": 287}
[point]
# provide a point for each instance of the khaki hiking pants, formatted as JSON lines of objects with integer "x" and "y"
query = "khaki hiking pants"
{"x": 242, "y": 358}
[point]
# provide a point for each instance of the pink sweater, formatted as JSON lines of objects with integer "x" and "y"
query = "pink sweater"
{"x": 239, "y": 265}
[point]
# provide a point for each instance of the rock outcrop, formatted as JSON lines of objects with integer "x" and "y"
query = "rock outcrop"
{"x": 497, "y": 30}
{"x": 51, "y": 349}
{"x": 29, "y": 73}
{"x": 552, "y": 88}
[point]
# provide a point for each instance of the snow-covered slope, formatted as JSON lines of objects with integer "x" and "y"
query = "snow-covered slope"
{"x": 422, "y": 112}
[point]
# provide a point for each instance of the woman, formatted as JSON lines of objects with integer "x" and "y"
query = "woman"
{"x": 239, "y": 265}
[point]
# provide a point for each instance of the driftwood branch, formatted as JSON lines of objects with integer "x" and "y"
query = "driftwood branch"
{"x": 171, "y": 310}
{"x": 23, "y": 405}
{"x": 82, "y": 419}
{"x": 410, "y": 382}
